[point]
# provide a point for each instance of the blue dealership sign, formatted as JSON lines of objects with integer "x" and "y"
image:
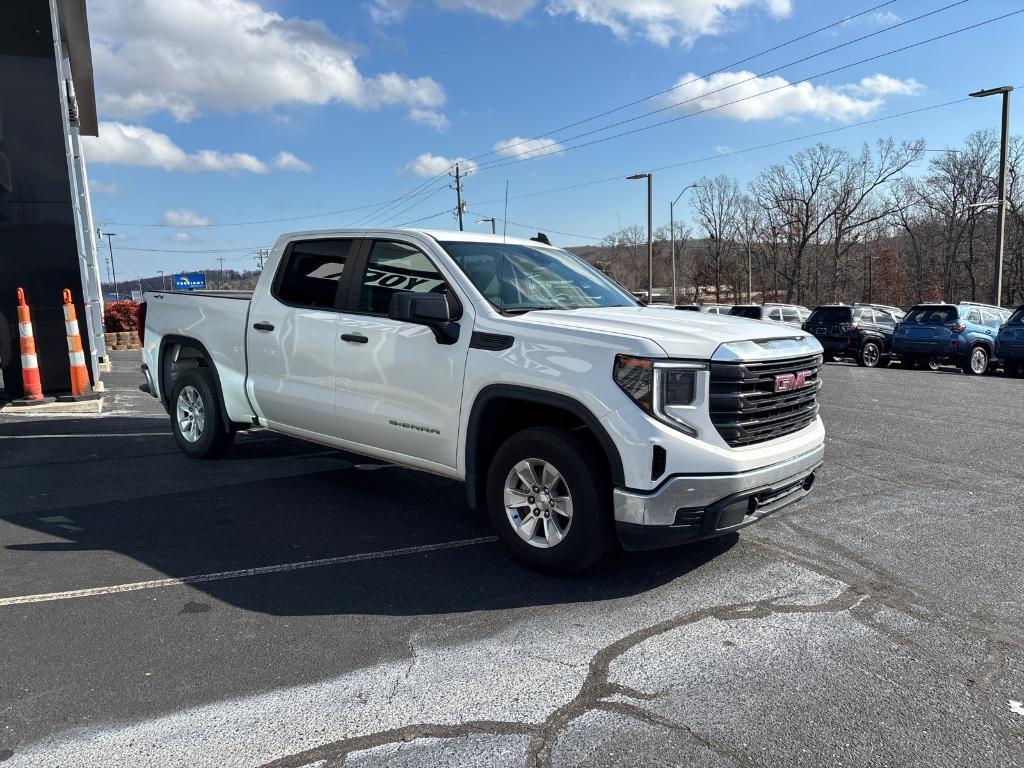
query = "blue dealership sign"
{"x": 190, "y": 281}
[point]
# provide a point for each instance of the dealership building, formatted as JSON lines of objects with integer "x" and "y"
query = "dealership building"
{"x": 47, "y": 234}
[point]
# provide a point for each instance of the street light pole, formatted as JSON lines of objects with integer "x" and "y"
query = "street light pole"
{"x": 997, "y": 279}
{"x": 672, "y": 233}
{"x": 494, "y": 229}
{"x": 650, "y": 231}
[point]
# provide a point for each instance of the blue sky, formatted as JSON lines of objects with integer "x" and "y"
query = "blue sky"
{"x": 215, "y": 112}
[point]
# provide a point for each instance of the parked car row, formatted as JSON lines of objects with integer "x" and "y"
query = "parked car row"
{"x": 974, "y": 337}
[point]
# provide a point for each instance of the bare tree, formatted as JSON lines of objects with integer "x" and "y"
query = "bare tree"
{"x": 715, "y": 207}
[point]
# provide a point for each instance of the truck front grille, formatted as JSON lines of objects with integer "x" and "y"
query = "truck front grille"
{"x": 749, "y": 406}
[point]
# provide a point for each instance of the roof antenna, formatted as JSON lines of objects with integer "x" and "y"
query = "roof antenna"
{"x": 504, "y": 221}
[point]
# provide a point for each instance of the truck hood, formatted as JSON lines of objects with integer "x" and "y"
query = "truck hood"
{"x": 685, "y": 334}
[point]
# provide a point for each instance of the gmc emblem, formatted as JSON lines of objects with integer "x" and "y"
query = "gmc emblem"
{"x": 791, "y": 382}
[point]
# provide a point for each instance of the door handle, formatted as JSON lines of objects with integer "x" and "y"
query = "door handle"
{"x": 355, "y": 338}
{"x": 263, "y": 326}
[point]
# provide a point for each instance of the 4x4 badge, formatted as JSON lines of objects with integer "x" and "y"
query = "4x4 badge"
{"x": 790, "y": 382}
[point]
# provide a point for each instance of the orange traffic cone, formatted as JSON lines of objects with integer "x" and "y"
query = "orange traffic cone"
{"x": 29, "y": 362}
{"x": 79, "y": 373}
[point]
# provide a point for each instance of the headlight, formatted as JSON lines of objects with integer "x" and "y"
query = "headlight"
{"x": 660, "y": 387}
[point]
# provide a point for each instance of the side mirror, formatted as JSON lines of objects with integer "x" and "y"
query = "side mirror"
{"x": 429, "y": 309}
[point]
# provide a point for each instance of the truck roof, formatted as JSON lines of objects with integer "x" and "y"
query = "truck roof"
{"x": 435, "y": 234}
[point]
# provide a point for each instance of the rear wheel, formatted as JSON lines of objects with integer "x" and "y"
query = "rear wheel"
{"x": 871, "y": 355}
{"x": 196, "y": 417}
{"x": 548, "y": 502}
{"x": 1014, "y": 368}
{"x": 977, "y": 362}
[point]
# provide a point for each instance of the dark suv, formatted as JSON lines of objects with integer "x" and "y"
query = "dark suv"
{"x": 1010, "y": 343}
{"x": 860, "y": 333}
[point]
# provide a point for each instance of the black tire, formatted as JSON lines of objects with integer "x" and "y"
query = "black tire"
{"x": 973, "y": 366}
{"x": 1014, "y": 369}
{"x": 588, "y": 534}
{"x": 210, "y": 439}
{"x": 827, "y": 358}
{"x": 871, "y": 355}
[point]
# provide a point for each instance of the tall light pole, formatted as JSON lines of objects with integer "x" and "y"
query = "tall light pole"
{"x": 997, "y": 279}
{"x": 650, "y": 231}
{"x": 113, "y": 269}
{"x": 163, "y": 279}
{"x": 672, "y": 233}
{"x": 494, "y": 229}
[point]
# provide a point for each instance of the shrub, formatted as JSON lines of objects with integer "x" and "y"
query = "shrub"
{"x": 120, "y": 316}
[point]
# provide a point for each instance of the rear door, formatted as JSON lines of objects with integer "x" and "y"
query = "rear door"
{"x": 293, "y": 336}
{"x": 400, "y": 389}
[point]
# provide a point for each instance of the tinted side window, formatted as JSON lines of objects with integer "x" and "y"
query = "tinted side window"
{"x": 311, "y": 272}
{"x": 992, "y": 319}
{"x": 974, "y": 316}
{"x": 395, "y": 267}
{"x": 884, "y": 318}
{"x": 774, "y": 314}
{"x": 790, "y": 315}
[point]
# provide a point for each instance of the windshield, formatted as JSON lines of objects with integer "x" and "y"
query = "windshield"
{"x": 931, "y": 316}
{"x": 520, "y": 278}
{"x": 754, "y": 313}
{"x": 1017, "y": 318}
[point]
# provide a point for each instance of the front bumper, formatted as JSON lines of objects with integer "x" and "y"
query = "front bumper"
{"x": 691, "y": 507}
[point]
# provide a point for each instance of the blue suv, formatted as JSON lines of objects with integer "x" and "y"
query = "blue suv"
{"x": 1010, "y": 344}
{"x": 964, "y": 334}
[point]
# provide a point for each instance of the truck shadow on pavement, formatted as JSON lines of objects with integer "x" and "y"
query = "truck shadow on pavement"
{"x": 275, "y": 501}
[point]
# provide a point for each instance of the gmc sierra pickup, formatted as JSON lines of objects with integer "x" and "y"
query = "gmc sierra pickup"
{"x": 572, "y": 413}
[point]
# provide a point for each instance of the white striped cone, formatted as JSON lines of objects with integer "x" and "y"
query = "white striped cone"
{"x": 79, "y": 373}
{"x": 30, "y": 380}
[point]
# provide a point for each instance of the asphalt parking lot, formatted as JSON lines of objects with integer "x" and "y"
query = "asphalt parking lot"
{"x": 294, "y": 606}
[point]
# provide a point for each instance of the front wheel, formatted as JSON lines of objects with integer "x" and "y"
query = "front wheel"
{"x": 196, "y": 418}
{"x": 548, "y": 502}
{"x": 977, "y": 363}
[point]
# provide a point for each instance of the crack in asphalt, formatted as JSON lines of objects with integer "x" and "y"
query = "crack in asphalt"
{"x": 593, "y": 695}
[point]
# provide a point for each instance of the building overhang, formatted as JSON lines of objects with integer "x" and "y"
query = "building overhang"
{"x": 74, "y": 33}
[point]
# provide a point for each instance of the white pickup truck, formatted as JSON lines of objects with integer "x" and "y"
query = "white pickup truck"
{"x": 572, "y": 413}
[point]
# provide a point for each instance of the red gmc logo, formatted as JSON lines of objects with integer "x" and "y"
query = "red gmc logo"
{"x": 790, "y": 382}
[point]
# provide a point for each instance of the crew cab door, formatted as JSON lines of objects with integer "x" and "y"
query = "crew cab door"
{"x": 399, "y": 388}
{"x": 292, "y": 336}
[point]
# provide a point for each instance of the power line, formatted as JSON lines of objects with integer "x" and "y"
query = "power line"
{"x": 901, "y": 49}
{"x": 727, "y": 67}
{"x": 764, "y": 52}
{"x": 732, "y": 153}
{"x": 539, "y": 229}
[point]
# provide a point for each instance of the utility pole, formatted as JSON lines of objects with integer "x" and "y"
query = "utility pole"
{"x": 650, "y": 231}
{"x": 997, "y": 277}
{"x": 261, "y": 258}
{"x": 113, "y": 269}
{"x": 458, "y": 196}
{"x": 221, "y": 260}
{"x": 163, "y": 280}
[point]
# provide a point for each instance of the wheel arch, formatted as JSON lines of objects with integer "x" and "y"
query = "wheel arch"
{"x": 540, "y": 407}
{"x": 170, "y": 353}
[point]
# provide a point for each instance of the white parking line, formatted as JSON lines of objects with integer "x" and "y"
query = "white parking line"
{"x": 200, "y": 578}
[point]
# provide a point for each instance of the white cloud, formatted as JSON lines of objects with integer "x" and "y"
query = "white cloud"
{"x": 723, "y": 149}
{"x": 122, "y": 144}
{"x": 428, "y": 165}
{"x": 430, "y": 117}
{"x": 286, "y": 161}
{"x": 883, "y": 85}
{"x": 660, "y": 21}
{"x": 103, "y": 187}
{"x": 884, "y": 18}
{"x": 390, "y": 11}
{"x": 183, "y": 217}
{"x": 188, "y": 56}
{"x": 664, "y": 21}
{"x": 843, "y": 102}
{"x": 182, "y": 237}
{"x": 523, "y": 149}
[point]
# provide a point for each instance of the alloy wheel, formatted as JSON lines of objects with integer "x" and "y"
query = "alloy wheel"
{"x": 191, "y": 413}
{"x": 871, "y": 354}
{"x": 538, "y": 503}
{"x": 979, "y": 360}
